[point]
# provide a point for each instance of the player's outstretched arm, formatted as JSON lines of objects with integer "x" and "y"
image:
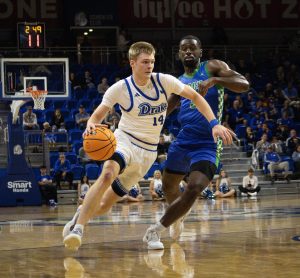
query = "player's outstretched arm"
{"x": 202, "y": 105}
{"x": 225, "y": 77}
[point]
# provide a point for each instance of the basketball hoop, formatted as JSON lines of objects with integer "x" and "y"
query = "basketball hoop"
{"x": 39, "y": 97}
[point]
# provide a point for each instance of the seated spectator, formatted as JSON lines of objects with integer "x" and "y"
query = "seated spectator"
{"x": 30, "y": 120}
{"x": 296, "y": 159}
{"x": 76, "y": 83}
{"x": 162, "y": 150}
{"x": 286, "y": 108}
{"x": 277, "y": 145}
{"x": 285, "y": 120}
{"x": 223, "y": 186}
{"x": 112, "y": 119}
{"x": 250, "y": 185}
{"x": 88, "y": 80}
{"x": 83, "y": 157}
{"x": 256, "y": 121}
{"x": 155, "y": 188}
{"x": 282, "y": 132}
{"x": 292, "y": 142}
{"x": 81, "y": 118}
{"x": 62, "y": 171}
{"x": 235, "y": 115}
{"x": 261, "y": 147}
{"x": 264, "y": 129}
{"x": 134, "y": 195}
{"x": 47, "y": 188}
{"x": 47, "y": 132}
{"x": 273, "y": 162}
{"x": 290, "y": 92}
{"x": 102, "y": 86}
{"x": 250, "y": 137}
{"x": 62, "y": 128}
{"x": 83, "y": 188}
{"x": 57, "y": 119}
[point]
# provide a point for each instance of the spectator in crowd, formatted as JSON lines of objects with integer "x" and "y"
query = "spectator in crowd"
{"x": 223, "y": 186}
{"x": 285, "y": 120}
{"x": 62, "y": 171}
{"x": 296, "y": 159}
{"x": 76, "y": 83}
{"x": 162, "y": 150}
{"x": 287, "y": 108}
{"x": 261, "y": 147}
{"x": 81, "y": 118}
{"x": 235, "y": 115}
{"x": 134, "y": 195}
{"x": 155, "y": 187}
{"x": 250, "y": 185}
{"x": 290, "y": 92}
{"x": 83, "y": 157}
{"x": 47, "y": 132}
{"x": 292, "y": 142}
{"x": 47, "y": 188}
{"x": 62, "y": 128}
{"x": 282, "y": 132}
{"x": 88, "y": 80}
{"x": 277, "y": 145}
{"x": 102, "y": 86}
{"x": 30, "y": 120}
{"x": 273, "y": 162}
{"x": 264, "y": 129}
{"x": 112, "y": 119}
{"x": 57, "y": 119}
{"x": 250, "y": 137}
{"x": 83, "y": 188}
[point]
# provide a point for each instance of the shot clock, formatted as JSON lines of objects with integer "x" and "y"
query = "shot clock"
{"x": 31, "y": 35}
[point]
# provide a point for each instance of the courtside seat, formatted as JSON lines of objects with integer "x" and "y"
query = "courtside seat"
{"x": 75, "y": 135}
{"x": 78, "y": 171}
{"x": 92, "y": 171}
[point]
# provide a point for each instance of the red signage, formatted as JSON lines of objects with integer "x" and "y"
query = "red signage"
{"x": 193, "y": 13}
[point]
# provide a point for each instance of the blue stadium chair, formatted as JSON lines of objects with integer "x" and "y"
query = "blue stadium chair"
{"x": 155, "y": 166}
{"x": 75, "y": 135}
{"x": 65, "y": 112}
{"x": 61, "y": 137}
{"x": 71, "y": 104}
{"x": 49, "y": 114}
{"x": 78, "y": 171}
{"x": 240, "y": 131}
{"x": 33, "y": 138}
{"x": 70, "y": 123}
{"x": 92, "y": 171}
{"x": 53, "y": 158}
{"x": 72, "y": 157}
{"x": 59, "y": 104}
{"x": 85, "y": 102}
{"x": 92, "y": 93}
{"x": 76, "y": 145}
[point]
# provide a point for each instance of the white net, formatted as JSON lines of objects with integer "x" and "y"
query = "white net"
{"x": 39, "y": 98}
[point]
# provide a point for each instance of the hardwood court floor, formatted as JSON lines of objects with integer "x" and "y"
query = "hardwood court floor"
{"x": 222, "y": 238}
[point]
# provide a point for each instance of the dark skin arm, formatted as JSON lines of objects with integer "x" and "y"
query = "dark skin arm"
{"x": 222, "y": 75}
{"x": 225, "y": 77}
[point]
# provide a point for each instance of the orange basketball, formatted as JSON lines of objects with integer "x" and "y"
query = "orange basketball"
{"x": 100, "y": 144}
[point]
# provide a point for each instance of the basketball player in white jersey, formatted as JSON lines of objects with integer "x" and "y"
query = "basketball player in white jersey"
{"x": 143, "y": 100}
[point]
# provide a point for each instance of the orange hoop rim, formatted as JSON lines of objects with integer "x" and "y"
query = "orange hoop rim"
{"x": 37, "y": 93}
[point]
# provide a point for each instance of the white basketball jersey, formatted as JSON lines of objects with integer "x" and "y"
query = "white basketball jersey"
{"x": 143, "y": 107}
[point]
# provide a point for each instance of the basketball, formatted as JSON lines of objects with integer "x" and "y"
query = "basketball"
{"x": 100, "y": 144}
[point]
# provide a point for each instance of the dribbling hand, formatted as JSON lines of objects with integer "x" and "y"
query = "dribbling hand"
{"x": 90, "y": 127}
{"x": 224, "y": 133}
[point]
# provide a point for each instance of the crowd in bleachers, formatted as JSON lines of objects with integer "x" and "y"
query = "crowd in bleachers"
{"x": 268, "y": 114}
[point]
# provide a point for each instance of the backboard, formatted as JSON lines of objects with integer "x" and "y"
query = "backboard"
{"x": 49, "y": 74}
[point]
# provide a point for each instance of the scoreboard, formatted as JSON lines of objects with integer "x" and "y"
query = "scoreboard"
{"x": 31, "y": 35}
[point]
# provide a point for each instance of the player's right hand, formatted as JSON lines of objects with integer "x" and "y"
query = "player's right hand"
{"x": 224, "y": 133}
{"x": 90, "y": 127}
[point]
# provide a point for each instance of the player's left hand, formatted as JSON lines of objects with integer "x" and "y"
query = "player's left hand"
{"x": 224, "y": 133}
{"x": 205, "y": 85}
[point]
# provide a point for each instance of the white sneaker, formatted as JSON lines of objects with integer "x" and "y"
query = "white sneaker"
{"x": 70, "y": 225}
{"x": 252, "y": 193}
{"x": 152, "y": 238}
{"x": 73, "y": 240}
{"x": 244, "y": 194}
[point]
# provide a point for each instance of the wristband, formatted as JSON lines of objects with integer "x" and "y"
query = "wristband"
{"x": 213, "y": 123}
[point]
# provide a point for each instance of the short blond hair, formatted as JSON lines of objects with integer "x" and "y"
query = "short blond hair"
{"x": 140, "y": 47}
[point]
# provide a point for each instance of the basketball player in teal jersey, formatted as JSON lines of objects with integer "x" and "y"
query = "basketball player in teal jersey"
{"x": 194, "y": 151}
